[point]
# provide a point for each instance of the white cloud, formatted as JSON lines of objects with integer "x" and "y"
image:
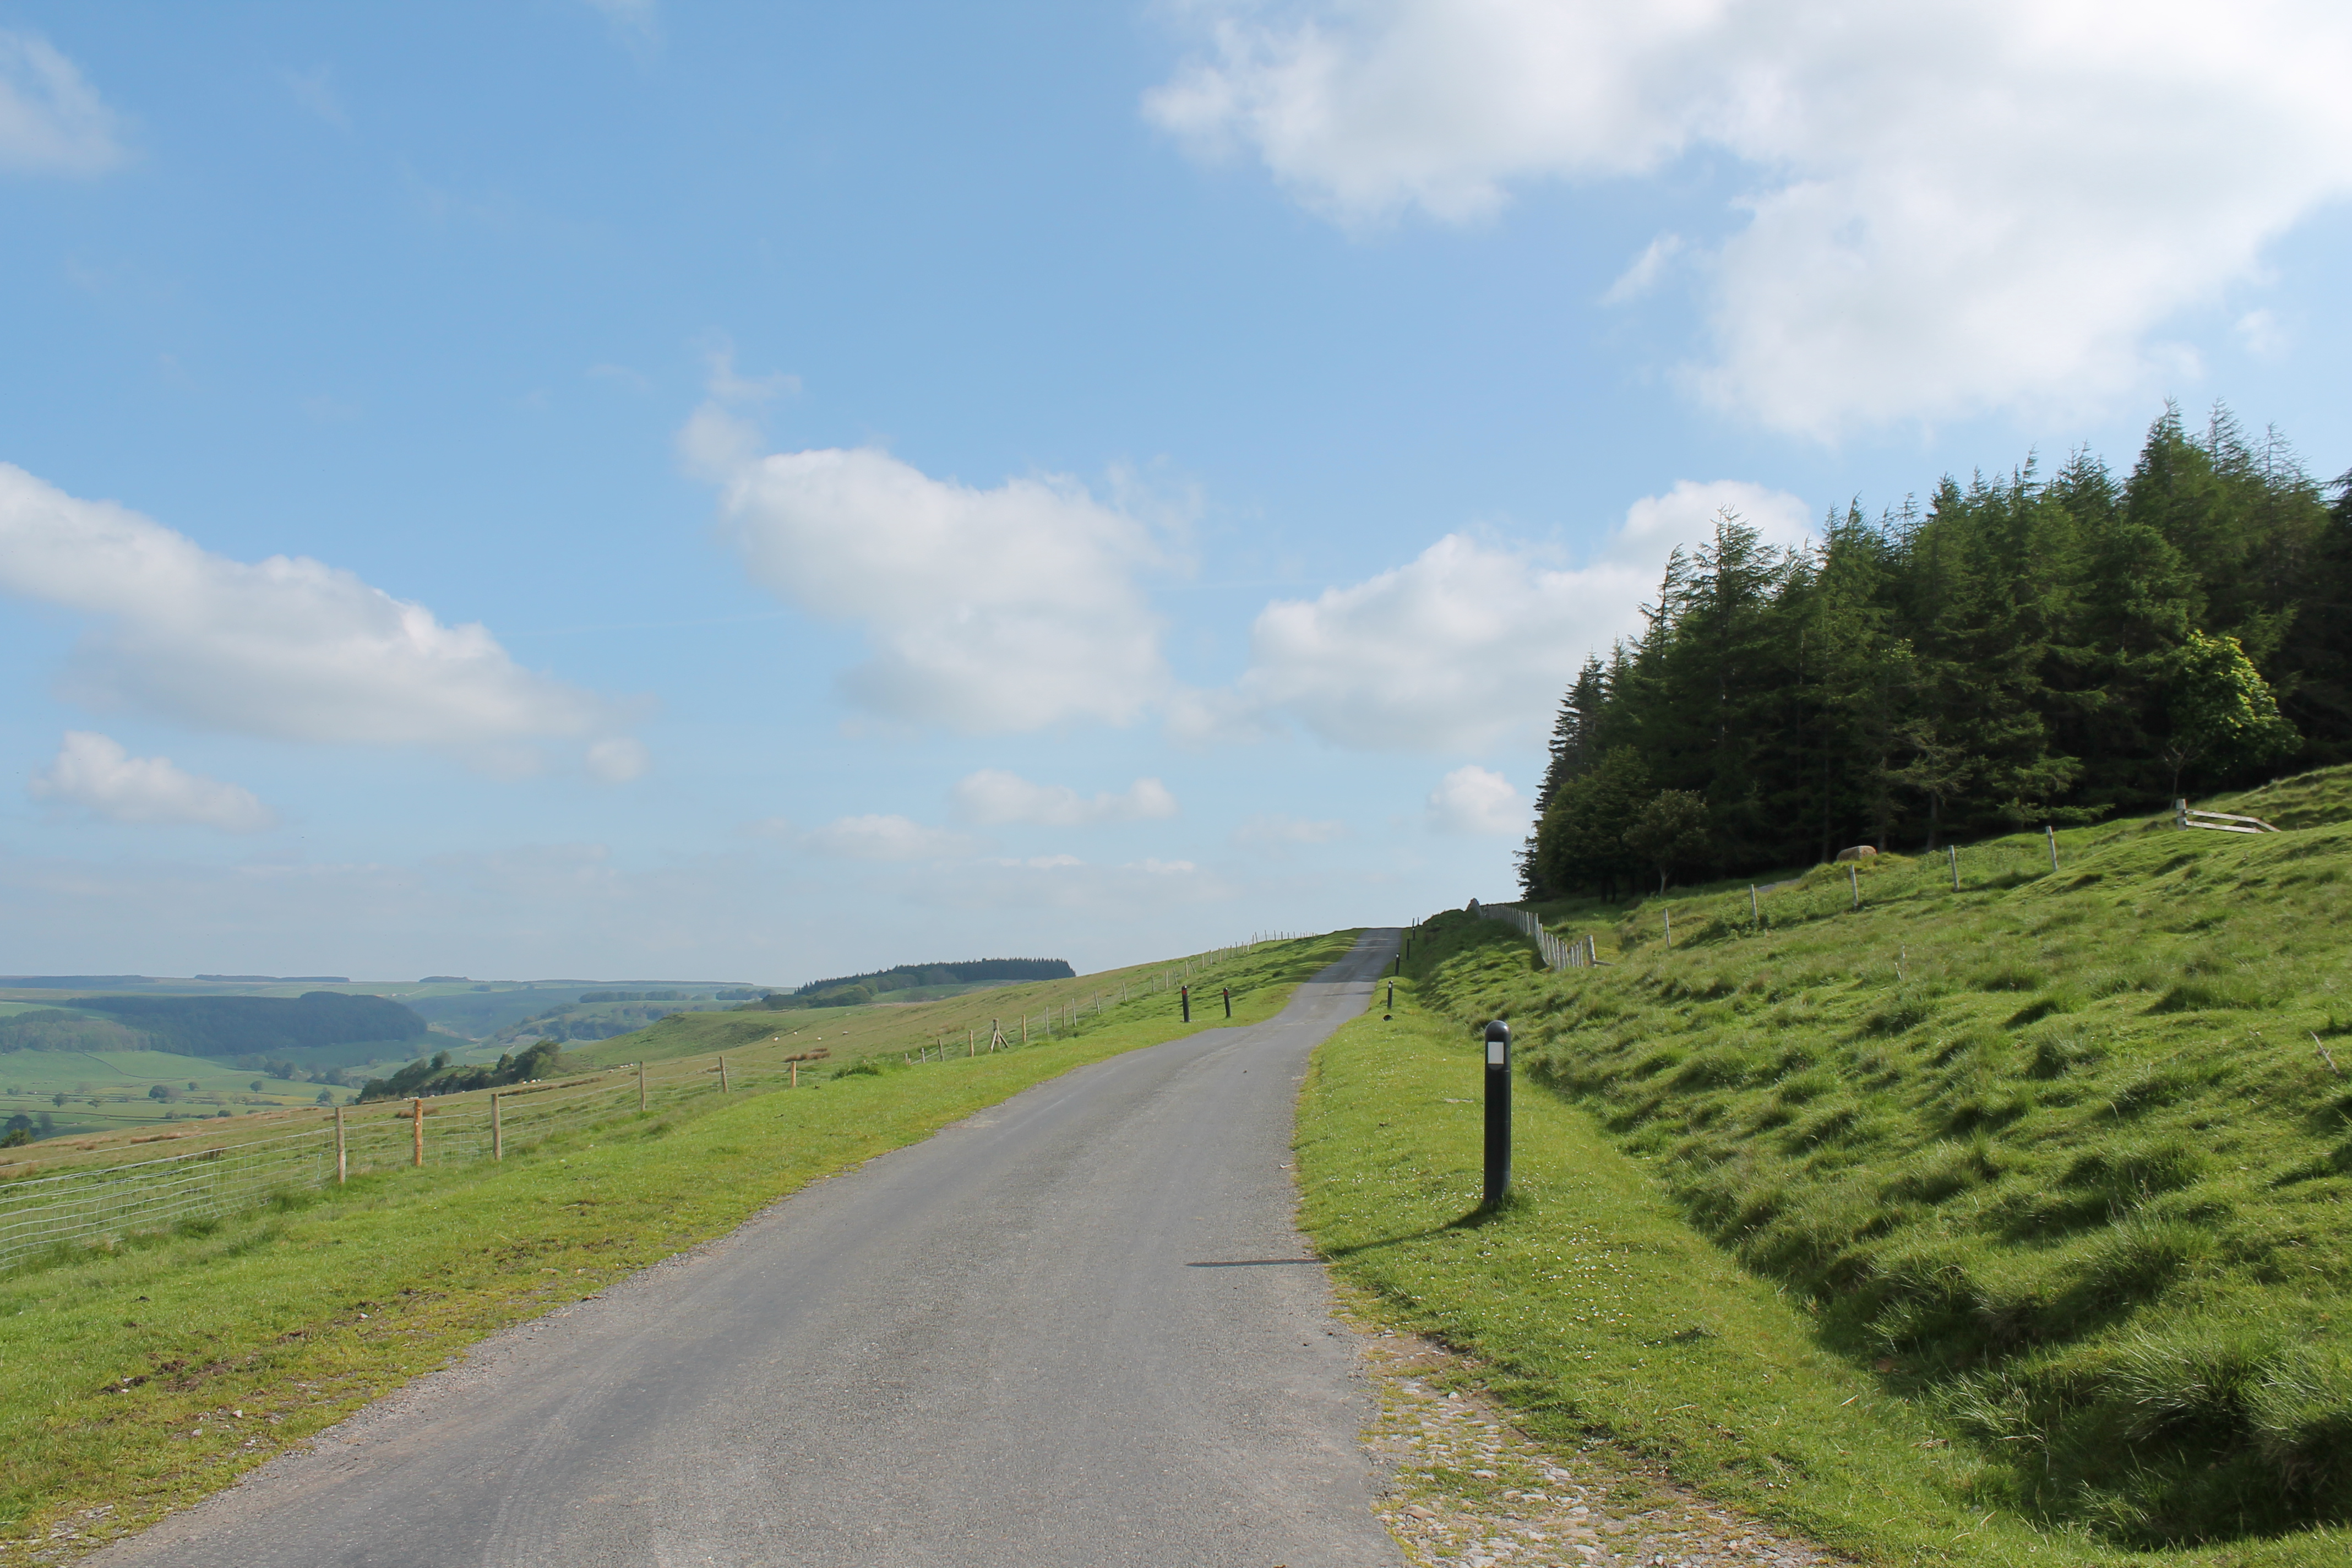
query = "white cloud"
{"x": 728, "y": 385}
{"x": 1468, "y": 643}
{"x": 2262, "y": 335}
{"x": 877, "y": 837}
{"x": 1947, "y": 206}
{"x": 1642, "y": 276}
{"x": 95, "y": 773}
{"x": 992, "y": 796}
{"x": 289, "y": 647}
{"x": 987, "y": 611}
{"x": 51, "y": 121}
{"x": 1473, "y": 800}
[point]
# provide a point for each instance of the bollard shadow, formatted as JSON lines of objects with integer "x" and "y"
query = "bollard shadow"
{"x": 1477, "y": 1218}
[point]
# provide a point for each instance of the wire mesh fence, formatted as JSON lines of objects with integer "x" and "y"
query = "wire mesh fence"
{"x": 1558, "y": 953}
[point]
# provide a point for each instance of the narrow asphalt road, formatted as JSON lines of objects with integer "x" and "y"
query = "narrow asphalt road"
{"x": 1076, "y": 1329}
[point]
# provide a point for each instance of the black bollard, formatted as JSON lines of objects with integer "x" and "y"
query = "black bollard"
{"x": 1229, "y": 1001}
{"x": 1187, "y": 997}
{"x": 1498, "y": 1111}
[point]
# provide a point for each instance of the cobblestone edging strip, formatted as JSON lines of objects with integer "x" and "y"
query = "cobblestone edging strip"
{"x": 1467, "y": 1489}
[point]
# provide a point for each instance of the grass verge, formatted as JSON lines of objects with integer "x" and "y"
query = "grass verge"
{"x": 2059, "y": 1158}
{"x": 138, "y": 1380}
{"x": 1602, "y": 1316}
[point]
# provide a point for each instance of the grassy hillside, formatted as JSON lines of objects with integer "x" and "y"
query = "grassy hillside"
{"x": 1053, "y": 1009}
{"x": 2059, "y": 1159}
{"x": 138, "y": 1376}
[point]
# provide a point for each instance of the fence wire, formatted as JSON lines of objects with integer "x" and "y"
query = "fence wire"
{"x": 39, "y": 1214}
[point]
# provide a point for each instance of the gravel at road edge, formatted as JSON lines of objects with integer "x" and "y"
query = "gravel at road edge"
{"x": 1469, "y": 1489}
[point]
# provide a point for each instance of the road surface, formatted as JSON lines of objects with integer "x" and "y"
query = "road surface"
{"x": 1079, "y": 1329}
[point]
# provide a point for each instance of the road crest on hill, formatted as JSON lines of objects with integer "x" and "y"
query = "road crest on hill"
{"x": 1078, "y": 1327}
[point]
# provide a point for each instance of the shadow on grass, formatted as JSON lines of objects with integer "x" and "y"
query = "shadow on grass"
{"x": 1478, "y": 1218}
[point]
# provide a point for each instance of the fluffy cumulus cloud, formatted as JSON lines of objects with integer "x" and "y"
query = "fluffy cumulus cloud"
{"x": 986, "y": 611}
{"x": 880, "y": 837}
{"x": 94, "y": 773}
{"x": 1473, "y": 800}
{"x": 289, "y": 648}
{"x": 51, "y": 121}
{"x": 993, "y": 798}
{"x": 1947, "y": 206}
{"x": 1470, "y": 642}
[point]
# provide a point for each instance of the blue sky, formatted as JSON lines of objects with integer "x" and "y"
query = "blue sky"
{"x": 759, "y": 491}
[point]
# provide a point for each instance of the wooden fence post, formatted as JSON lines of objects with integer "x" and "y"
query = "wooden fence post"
{"x": 2054, "y": 845}
{"x": 416, "y": 1116}
{"x": 497, "y": 1131}
{"x": 641, "y": 1086}
{"x": 723, "y": 1075}
{"x": 796, "y": 1077}
{"x": 342, "y": 1151}
{"x": 1755, "y": 910}
{"x": 1954, "y": 850}
{"x": 1670, "y": 931}
{"x": 1854, "y": 874}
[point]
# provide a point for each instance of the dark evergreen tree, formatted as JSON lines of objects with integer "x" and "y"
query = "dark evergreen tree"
{"x": 2028, "y": 649}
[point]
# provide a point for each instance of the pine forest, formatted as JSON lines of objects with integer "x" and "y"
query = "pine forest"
{"x": 2045, "y": 648}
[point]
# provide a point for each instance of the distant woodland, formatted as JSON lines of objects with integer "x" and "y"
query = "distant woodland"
{"x": 243, "y": 1025}
{"x": 851, "y": 990}
{"x": 2041, "y": 647}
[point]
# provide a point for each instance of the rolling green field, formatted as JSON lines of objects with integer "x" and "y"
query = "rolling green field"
{"x": 108, "y": 1090}
{"x": 2055, "y": 1165}
{"x": 1053, "y": 1009}
{"x": 139, "y": 1376}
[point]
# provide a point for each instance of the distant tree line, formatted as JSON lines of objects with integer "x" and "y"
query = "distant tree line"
{"x": 429, "y": 1075}
{"x": 54, "y": 1029}
{"x": 294, "y": 1072}
{"x": 243, "y": 1026}
{"x": 851, "y": 990}
{"x": 2037, "y": 649}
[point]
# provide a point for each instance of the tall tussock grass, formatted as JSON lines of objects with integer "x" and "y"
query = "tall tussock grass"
{"x": 2063, "y": 1158}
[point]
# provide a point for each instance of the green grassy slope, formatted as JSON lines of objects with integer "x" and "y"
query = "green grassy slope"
{"x": 849, "y": 1032}
{"x": 2062, "y": 1159}
{"x": 1599, "y": 1314}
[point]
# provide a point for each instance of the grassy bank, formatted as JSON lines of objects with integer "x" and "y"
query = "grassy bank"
{"x": 140, "y": 1378}
{"x": 2058, "y": 1162}
{"x": 1055, "y": 1009}
{"x": 1599, "y": 1314}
